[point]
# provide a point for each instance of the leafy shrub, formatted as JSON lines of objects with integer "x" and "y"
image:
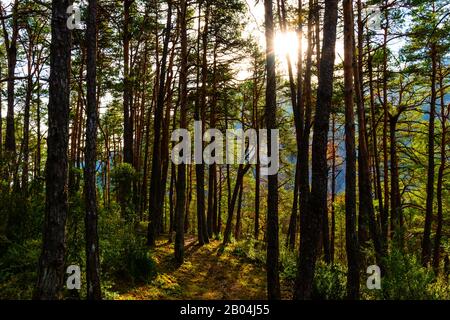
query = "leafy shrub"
{"x": 18, "y": 267}
{"x": 250, "y": 249}
{"x": 141, "y": 265}
{"x": 440, "y": 290}
{"x": 288, "y": 264}
{"x": 123, "y": 252}
{"x": 329, "y": 282}
{"x": 406, "y": 279}
{"x": 123, "y": 172}
{"x": 122, "y": 176}
{"x": 167, "y": 283}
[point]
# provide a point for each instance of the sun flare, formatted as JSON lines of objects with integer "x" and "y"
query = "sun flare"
{"x": 286, "y": 43}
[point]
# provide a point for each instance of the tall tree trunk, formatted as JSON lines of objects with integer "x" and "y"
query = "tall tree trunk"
{"x": 350, "y": 174}
{"x": 367, "y": 219}
{"x": 11, "y": 52}
{"x": 395, "y": 183}
{"x": 273, "y": 280}
{"x": 38, "y": 129}
{"x": 333, "y": 190}
{"x": 317, "y": 204}
{"x": 1, "y": 117}
{"x": 385, "y": 213}
{"x": 426, "y": 244}
{"x": 181, "y": 180}
{"x": 200, "y": 116}
{"x": 292, "y": 230}
{"x": 219, "y": 209}
{"x": 127, "y": 96}
{"x": 212, "y": 177}
{"x": 155, "y": 205}
{"x": 256, "y": 125}
{"x": 51, "y": 264}
{"x": 239, "y": 181}
{"x": 376, "y": 160}
{"x": 445, "y": 113}
{"x": 26, "y": 127}
{"x": 292, "y": 222}
{"x": 90, "y": 190}
{"x": 238, "y": 228}
{"x": 305, "y": 109}
{"x": 165, "y": 143}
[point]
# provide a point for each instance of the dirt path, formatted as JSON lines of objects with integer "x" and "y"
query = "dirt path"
{"x": 207, "y": 274}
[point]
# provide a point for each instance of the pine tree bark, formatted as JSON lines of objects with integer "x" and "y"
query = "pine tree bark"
{"x": 156, "y": 203}
{"x": 51, "y": 264}
{"x": 317, "y": 204}
{"x": 350, "y": 168}
{"x": 273, "y": 281}
{"x": 11, "y": 52}
{"x": 445, "y": 113}
{"x": 426, "y": 244}
{"x": 90, "y": 177}
{"x": 127, "y": 93}
{"x": 181, "y": 180}
{"x": 376, "y": 159}
{"x": 238, "y": 227}
{"x": 239, "y": 181}
{"x": 200, "y": 116}
{"x": 395, "y": 183}
{"x": 367, "y": 219}
{"x": 385, "y": 213}
{"x": 333, "y": 190}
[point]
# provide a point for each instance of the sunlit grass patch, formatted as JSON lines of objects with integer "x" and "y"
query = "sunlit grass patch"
{"x": 167, "y": 283}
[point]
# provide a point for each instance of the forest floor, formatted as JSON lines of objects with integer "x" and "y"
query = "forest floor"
{"x": 209, "y": 273}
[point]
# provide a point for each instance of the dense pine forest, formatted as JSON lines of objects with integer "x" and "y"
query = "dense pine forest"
{"x": 119, "y": 179}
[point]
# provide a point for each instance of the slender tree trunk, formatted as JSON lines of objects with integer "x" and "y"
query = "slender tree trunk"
{"x": 181, "y": 180}
{"x": 51, "y": 264}
{"x": 317, "y": 204}
{"x": 38, "y": 129}
{"x": 350, "y": 176}
{"x": 445, "y": 113}
{"x": 212, "y": 183}
{"x": 155, "y": 205}
{"x": 395, "y": 183}
{"x": 26, "y": 128}
{"x": 292, "y": 230}
{"x": 238, "y": 228}
{"x": 292, "y": 222}
{"x": 374, "y": 126}
{"x": 333, "y": 191}
{"x": 1, "y": 117}
{"x": 256, "y": 124}
{"x": 90, "y": 190}
{"x": 385, "y": 213}
{"x": 239, "y": 181}
{"x": 426, "y": 244}
{"x": 367, "y": 219}
{"x": 11, "y": 52}
{"x": 219, "y": 209}
{"x": 127, "y": 96}
{"x": 273, "y": 281}
{"x": 305, "y": 110}
{"x": 200, "y": 116}
{"x": 364, "y": 183}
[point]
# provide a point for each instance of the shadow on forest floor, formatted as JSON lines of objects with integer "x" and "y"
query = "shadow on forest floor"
{"x": 207, "y": 274}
